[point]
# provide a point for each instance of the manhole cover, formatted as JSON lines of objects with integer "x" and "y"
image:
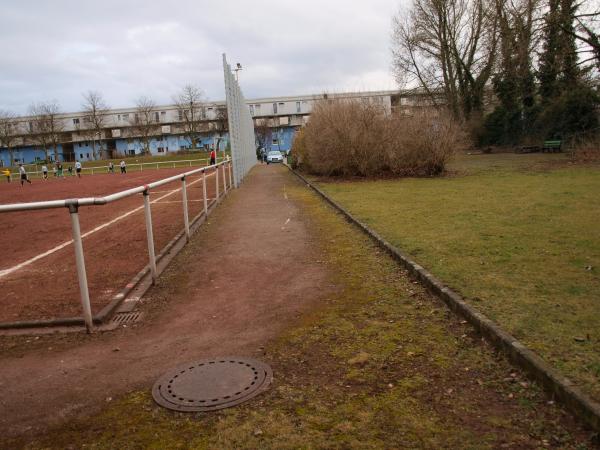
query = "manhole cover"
{"x": 212, "y": 384}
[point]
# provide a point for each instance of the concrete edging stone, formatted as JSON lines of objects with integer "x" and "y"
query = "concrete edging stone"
{"x": 558, "y": 385}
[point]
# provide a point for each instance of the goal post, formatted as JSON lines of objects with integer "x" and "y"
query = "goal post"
{"x": 241, "y": 127}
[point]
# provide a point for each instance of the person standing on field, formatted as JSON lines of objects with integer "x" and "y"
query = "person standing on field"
{"x": 213, "y": 157}
{"x": 123, "y": 166}
{"x": 59, "y": 169}
{"x": 111, "y": 167}
{"x": 6, "y": 173}
{"x": 44, "y": 172}
{"x": 23, "y": 174}
{"x": 78, "y": 169}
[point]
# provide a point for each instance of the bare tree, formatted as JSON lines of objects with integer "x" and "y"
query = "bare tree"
{"x": 587, "y": 31}
{"x": 46, "y": 128}
{"x": 221, "y": 123}
{"x": 95, "y": 113}
{"x": 447, "y": 48}
{"x": 9, "y": 132}
{"x": 144, "y": 123}
{"x": 189, "y": 102}
{"x": 263, "y": 132}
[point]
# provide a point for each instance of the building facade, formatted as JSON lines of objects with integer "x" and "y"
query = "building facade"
{"x": 168, "y": 128}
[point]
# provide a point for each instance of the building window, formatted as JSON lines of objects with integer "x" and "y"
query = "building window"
{"x": 274, "y": 108}
{"x": 180, "y": 115}
{"x": 163, "y": 115}
{"x": 252, "y": 110}
{"x": 257, "y": 109}
{"x": 80, "y": 155}
{"x": 76, "y": 122}
{"x": 298, "y": 107}
{"x": 125, "y": 116}
{"x": 88, "y": 155}
{"x": 275, "y": 141}
{"x": 156, "y": 117}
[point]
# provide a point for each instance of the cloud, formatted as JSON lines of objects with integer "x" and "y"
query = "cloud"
{"x": 126, "y": 49}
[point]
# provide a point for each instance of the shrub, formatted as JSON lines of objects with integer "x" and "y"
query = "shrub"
{"x": 351, "y": 138}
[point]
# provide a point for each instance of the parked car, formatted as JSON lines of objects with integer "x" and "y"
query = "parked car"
{"x": 274, "y": 157}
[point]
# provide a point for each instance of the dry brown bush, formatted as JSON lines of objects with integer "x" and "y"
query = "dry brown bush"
{"x": 351, "y": 138}
{"x": 587, "y": 150}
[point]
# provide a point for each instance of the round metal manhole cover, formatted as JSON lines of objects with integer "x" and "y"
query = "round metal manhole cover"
{"x": 212, "y": 384}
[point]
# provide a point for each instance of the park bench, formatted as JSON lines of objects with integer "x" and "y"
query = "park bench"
{"x": 552, "y": 146}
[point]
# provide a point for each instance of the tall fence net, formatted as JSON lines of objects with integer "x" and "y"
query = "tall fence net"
{"x": 241, "y": 127}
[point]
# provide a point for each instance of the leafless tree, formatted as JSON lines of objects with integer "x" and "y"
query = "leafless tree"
{"x": 9, "y": 132}
{"x": 46, "y": 127}
{"x": 447, "y": 48}
{"x": 94, "y": 120}
{"x": 263, "y": 132}
{"x": 221, "y": 122}
{"x": 190, "y": 107}
{"x": 144, "y": 122}
{"x": 587, "y": 31}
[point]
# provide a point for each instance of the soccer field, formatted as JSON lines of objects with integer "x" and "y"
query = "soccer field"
{"x": 38, "y": 272}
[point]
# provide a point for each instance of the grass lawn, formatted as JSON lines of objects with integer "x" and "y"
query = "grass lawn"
{"x": 378, "y": 364}
{"x": 519, "y": 235}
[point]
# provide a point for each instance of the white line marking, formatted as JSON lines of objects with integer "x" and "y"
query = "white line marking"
{"x": 181, "y": 201}
{"x": 286, "y": 222}
{"x": 12, "y": 269}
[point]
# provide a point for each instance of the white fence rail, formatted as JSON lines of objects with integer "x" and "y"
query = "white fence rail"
{"x": 241, "y": 127}
{"x": 73, "y": 206}
{"x": 132, "y": 167}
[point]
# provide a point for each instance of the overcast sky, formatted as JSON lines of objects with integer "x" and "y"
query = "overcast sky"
{"x": 57, "y": 49}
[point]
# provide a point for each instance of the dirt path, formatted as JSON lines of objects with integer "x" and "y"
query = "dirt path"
{"x": 241, "y": 281}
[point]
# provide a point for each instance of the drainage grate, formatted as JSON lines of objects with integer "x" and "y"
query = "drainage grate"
{"x": 212, "y": 384}
{"x": 125, "y": 318}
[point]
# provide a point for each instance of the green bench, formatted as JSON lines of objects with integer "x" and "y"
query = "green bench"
{"x": 552, "y": 146}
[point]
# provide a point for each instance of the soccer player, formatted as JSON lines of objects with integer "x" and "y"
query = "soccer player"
{"x": 44, "y": 172}
{"x": 6, "y": 173}
{"x": 111, "y": 167}
{"x": 78, "y": 169}
{"x": 123, "y": 166}
{"x": 59, "y": 169}
{"x": 213, "y": 157}
{"x": 23, "y": 174}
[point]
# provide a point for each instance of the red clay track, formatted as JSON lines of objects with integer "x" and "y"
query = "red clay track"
{"x": 48, "y": 287}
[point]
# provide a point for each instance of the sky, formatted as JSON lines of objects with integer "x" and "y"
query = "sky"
{"x": 59, "y": 49}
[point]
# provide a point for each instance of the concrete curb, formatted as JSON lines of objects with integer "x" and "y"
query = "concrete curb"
{"x": 558, "y": 385}
{"x": 106, "y": 313}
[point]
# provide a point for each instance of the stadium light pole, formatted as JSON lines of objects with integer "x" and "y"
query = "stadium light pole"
{"x": 236, "y": 70}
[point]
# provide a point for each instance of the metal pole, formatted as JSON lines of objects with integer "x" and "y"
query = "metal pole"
{"x": 204, "y": 193}
{"x": 150, "y": 235}
{"x": 230, "y": 175}
{"x": 81, "y": 274}
{"x": 186, "y": 220}
{"x": 216, "y": 184}
{"x": 224, "y": 179}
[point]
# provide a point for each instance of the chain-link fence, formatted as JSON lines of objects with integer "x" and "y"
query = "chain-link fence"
{"x": 241, "y": 127}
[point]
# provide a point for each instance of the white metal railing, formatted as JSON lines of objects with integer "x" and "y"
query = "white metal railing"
{"x": 73, "y": 206}
{"x": 130, "y": 167}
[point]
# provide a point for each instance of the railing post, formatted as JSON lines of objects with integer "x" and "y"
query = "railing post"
{"x": 150, "y": 235}
{"x": 230, "y": 175}
{"x": 186, "y": 220}
{"x": 224, "y": 179}
{"x": 204, "y": 193}
{"x": 80, "y": 261}
{"x": 217, "y": 184}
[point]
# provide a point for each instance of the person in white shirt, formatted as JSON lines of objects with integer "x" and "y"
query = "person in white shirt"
{"x": 78, "y": 168}
{"x": 123, "y": 166}
{"x": 45, "y": 172}
{"x": 23, "y": 174}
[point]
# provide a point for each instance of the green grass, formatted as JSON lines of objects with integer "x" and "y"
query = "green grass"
{"x": 519, "y": 235}
{"x": 377, "y": 364}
